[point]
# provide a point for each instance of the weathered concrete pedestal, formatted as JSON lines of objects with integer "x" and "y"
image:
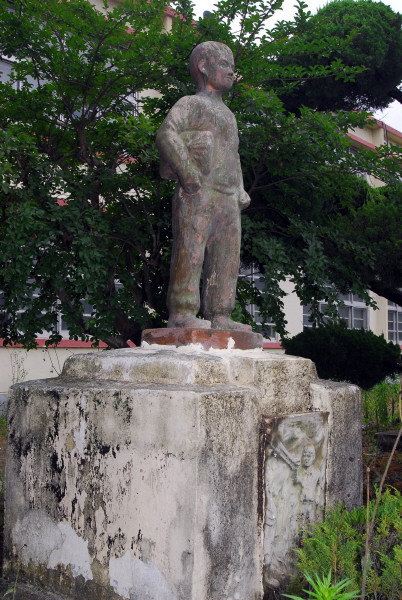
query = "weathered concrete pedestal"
{"x": 169, "y": 474}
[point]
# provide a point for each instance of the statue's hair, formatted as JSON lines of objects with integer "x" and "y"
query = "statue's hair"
{"x": 205, "y": 51}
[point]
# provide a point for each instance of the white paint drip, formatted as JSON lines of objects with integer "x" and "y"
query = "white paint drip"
{"x": 197, "y": 348}
{"x": 79, "y": 437}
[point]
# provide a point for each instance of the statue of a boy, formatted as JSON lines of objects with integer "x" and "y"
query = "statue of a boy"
{"x": 198, "y": 144}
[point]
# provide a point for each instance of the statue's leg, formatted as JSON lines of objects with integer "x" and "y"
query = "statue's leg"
{"x": 190, "y": 228}
{"x": 222, "y": 263}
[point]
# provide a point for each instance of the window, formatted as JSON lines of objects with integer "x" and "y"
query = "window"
{"x": 307, "y": 313}
{"x": 354, "y": 313}
{"x": 269, "y": 327}
{"x": 5, "y": 69}
{"x": 43, "y": 333}
{"x": 133, "y": 102}
{"x": 361, "y": 174}
{"x": 394, "y": 323}
{"x": 62, "y": 325}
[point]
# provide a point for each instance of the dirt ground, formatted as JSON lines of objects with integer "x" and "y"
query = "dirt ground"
{"x": 373, "y": 458}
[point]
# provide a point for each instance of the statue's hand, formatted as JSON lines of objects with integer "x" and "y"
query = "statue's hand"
{"x": 191, "y": 187}
{"x": 244, "y": 200}
{"x": 190, "y": 181}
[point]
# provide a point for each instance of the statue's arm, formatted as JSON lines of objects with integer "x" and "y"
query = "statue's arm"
{"x": 244, "y": 198}
{"x": 174, "y": 151}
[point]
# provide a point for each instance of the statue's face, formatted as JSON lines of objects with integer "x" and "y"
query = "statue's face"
{"x": 308, "y": 457}
{"x": 219, "y": 70}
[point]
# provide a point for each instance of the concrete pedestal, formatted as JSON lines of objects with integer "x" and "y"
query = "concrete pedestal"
{"x": 146, "y": 474}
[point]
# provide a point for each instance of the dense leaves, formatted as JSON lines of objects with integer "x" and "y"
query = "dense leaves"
{"x": 82, "y": 206}
{"x": 337, "y": 544}
{"x": 342, "y": 354}
{"x": 84, "y": 215}
{"x": 360, "y": 32}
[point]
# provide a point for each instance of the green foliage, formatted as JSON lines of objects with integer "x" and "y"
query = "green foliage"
{"x": 342, "y": 354}
{"x": 84, "y": 215}
{"x": 322, "y": 589}
{"x": 380, "y": 404}
{"x": 361, "y": 32}
{"x": 337, "y": 544}
{"x": 380, "y": 212}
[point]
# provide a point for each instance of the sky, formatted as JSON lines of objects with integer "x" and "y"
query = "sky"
{"x": 392, "y": 115}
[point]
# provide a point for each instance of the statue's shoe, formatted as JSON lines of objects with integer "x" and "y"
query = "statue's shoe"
{"x": 188, "y": 321}
{"x": 226, "y": 323}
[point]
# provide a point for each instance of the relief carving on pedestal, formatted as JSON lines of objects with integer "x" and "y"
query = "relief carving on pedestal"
{"x": 295, "y": 452}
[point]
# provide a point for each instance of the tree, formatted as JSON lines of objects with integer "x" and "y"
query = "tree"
{"x": 70, "y": 133}
{"x": 84, "y": 213}
{"x": 360, "y": 32}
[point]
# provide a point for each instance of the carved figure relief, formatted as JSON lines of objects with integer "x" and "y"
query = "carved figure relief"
{"x": 294, "y": 486}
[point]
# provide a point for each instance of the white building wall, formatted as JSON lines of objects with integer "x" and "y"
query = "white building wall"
{"x": 293, "y": 309}
{"x": 378, "y": 319}
{"x": 17, "y": 364}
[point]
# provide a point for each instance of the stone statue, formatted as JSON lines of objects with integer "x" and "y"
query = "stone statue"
{"x": 198, "y": 144}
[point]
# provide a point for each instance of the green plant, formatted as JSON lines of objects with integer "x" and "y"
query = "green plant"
{"x": 3, "y": 426}
{"x": 342, "y": 354}
{"x": 380, "y": 403}
{"x": 338, "y": 544}
{"x": 322, "y": 589}
{"x": 373, "y": 38}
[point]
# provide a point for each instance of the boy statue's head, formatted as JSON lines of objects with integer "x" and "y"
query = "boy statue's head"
{"x": 212, "y": 67}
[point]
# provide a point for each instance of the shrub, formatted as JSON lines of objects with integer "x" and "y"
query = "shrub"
{"x": 380, "y": 404}
{"x": 337, "y": 544}
{"x": 342, "y": 354}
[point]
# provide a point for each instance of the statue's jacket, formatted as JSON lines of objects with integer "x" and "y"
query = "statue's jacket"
{"x": 202, "y": 131}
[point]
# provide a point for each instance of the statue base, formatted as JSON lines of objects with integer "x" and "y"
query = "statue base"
{"x": 164, "y": 473}
{"x": 216, "y": 339}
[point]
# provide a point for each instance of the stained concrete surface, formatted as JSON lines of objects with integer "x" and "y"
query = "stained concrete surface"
{"x": 170, "y": 432}
{"x": 20, "y": 591}
{"x": 25, "y": 592}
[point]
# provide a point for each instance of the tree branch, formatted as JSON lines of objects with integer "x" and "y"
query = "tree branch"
{"x": 390, "y": 293}
{"x": 396, "y": 94}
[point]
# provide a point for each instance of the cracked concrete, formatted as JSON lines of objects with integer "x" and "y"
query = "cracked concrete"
{"x": 146, "y": 465}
